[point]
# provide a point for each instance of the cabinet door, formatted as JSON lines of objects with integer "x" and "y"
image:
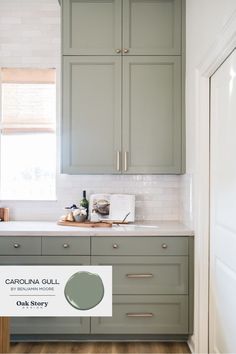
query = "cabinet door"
{"x": 91, "y": 27}
{"x": 152, "y": 27}
{"x": 152, "y": 122}
{"x": 91, "y": 123}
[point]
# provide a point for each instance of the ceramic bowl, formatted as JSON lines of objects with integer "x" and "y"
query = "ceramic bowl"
{"x": 80, "y": 218}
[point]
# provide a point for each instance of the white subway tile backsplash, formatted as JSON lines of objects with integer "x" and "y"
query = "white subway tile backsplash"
{"x": 28, "y": 29}
{"x": 163, "y": 205}
{"x": 10, "y": 20}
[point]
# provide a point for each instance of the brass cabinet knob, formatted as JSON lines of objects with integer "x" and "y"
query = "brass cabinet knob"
{"x": 118, "y": 51}
{"x": 66, "y": 245}
{"x": 164, "y": 245}
{"x": 126, "y": 50}
{"x": 16, "y": 245}
{"x": 115, "y": 245}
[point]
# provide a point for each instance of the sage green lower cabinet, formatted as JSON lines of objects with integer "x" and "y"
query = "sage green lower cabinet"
{"x": 164, "y": 314}
{"x": 152, "y": 285}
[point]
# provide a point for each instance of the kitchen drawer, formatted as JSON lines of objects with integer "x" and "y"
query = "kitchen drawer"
{"x": 147, "y": 275}
{"x": 121, "y": 246}
{"x": 52, "y": 325}
{"x": 71, "y": 245}
{"x": 145, "y": 314}
{"x": 20, "y": 245}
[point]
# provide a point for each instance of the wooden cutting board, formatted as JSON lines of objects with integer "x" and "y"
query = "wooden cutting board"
{"x": 84, "y": 224}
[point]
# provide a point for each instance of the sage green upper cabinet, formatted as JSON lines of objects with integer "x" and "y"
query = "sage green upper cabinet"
{"x": 95, "y": 140}
{"x": 123, "y": 87}
{"x": 114, "y": 27}
{"x": 91, "y": 27}
{"x": 91, "y": 126}
{"x": 152, "y": 114}
{"x": 152, "y": 27}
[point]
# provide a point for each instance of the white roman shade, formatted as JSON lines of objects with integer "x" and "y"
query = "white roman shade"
{"x": 28, "y": 100}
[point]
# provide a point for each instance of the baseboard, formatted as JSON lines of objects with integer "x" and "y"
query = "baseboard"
{"x": 191, "y": 344}
{"x": 98, "y": 338}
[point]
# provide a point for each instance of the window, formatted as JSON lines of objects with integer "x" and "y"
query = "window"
{"x": 28, "y": 138}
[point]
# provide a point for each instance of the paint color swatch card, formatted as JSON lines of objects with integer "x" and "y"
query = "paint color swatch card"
{"x": 56, "y": 291}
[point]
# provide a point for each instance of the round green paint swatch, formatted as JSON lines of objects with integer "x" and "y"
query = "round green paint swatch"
{"x": 84, "y": 290}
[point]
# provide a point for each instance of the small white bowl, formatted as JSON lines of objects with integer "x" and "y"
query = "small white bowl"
{"x": 80, "y": 218}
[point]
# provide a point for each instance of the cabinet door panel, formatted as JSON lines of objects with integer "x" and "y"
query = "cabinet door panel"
{"x": 152, "y": 27}
{"x": 91, "y": 27}
{"x": 152, "y": 114}
{"x": 151, "y": 314}
{"x": 91, "y": 124}
{"x": 147, "y": 275}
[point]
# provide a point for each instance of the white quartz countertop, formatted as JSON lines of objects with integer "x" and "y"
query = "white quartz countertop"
{"x": 50, "y": 228}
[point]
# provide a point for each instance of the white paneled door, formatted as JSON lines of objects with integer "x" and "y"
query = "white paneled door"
{"x": 223, "y": 209}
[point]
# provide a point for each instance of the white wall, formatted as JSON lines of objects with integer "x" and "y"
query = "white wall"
{"x": 205, "y": 22}
{"x": 29, "y": 33}
{"x": 30, "y": 37}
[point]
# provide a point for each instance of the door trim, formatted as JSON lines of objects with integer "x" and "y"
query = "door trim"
{"x": 219, "y": 51}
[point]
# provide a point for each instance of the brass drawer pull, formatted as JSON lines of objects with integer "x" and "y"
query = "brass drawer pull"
{"x": 139, "y": 275}
{"x": 66, "y": 245}
{"x": 141, "y": 314}
{"x": 126, "y": 161}
{"x": 115, "y": 246}
{"x": 16, "y": 245}
{"x": 118, "y": 160}
{"x": 164, "y": 245}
